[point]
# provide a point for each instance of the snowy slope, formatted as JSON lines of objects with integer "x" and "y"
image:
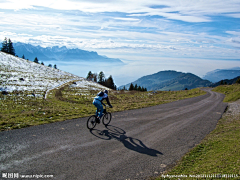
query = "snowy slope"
{"x": 23, "y": 75}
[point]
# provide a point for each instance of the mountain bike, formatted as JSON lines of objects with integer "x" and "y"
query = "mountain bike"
{"x": 106, "y": 118}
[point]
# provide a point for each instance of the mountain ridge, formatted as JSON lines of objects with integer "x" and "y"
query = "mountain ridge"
{"x": 169, "y": 80}
{"x": 221, "y": 74}
{"x": 57, "y": 53}
{"x": 226, "y": 82}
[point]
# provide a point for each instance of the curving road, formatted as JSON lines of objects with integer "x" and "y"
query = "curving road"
{"x": 136, "y": 145}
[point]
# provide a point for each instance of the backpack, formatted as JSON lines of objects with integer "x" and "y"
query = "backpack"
{"x": 100, "y": 93}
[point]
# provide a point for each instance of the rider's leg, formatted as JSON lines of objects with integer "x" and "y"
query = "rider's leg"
{"x": 101, "y": 112}
{"x": 96, "y": 112}
{"x": 96, "y": 105}
{"x": 99, "y": 106}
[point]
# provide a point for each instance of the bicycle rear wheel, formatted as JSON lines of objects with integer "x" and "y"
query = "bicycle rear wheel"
{"x": 91, "y": 122}
{"x": 106, "y": 118}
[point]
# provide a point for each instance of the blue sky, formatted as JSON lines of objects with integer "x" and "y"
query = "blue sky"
{"x": 149, "y": 36}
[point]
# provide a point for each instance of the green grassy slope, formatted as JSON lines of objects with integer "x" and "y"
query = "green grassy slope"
{"x": 18, "y": 111}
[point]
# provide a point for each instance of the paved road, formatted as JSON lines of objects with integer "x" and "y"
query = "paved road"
{"x": 138, "y": 143}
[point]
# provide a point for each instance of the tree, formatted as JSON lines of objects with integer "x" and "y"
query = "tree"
{"x": 95, "y": 76}
{"x": 110, "y": 83}
{"x": 36, "y": 60}
{"x": 131, "y": 87}
{"x": 139, "y": 88}
{"x": 10, "y": 47}
{"x": 101, "y": 78}
{"x": 7, "y": 46}
{"x": 4, "y": 46}
{"x": 136, "y": 87}
{"x": 55, "y": 66}
{"x": 50, "y": 65}
{"x": 89, "y": 75}
{"x": 23, "y": 57}
{"x": 42, "y": 63}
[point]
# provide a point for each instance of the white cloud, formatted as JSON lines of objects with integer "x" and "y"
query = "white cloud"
{"x": 188, "y": 10}
{"x": 127, "y": 19}
{"x": 236, "y": 33}
{"x": 235, "y": 15}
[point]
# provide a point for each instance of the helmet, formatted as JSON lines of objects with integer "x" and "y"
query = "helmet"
{"x": 105, "y": 91}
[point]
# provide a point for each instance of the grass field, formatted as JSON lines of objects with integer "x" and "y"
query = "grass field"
{"x": 21, "y": 110}
{"x": 232, "y": 92}
{"x": 218, "y": 154}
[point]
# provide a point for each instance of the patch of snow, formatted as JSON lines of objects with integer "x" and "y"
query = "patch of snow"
{"x": 87, "y": 84}
{"x": 17, "y": 74}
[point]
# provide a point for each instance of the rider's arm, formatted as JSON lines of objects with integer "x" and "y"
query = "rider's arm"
{"x": 106, "y": 98}
{"x": 108, "y": 102}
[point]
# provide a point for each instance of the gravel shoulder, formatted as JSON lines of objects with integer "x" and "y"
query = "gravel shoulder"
{"x": 233, "y": 108}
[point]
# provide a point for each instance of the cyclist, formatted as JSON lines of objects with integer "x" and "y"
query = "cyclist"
{"x": 98, "y": 103}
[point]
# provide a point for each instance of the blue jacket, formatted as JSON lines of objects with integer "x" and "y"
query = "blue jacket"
{"x": 101, "y": 98}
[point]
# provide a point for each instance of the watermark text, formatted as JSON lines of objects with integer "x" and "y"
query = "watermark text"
{"x": 217, "y": 176}
{"x": 25, "y": 176}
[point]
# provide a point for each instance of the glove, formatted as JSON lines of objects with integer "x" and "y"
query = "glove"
{"x": 110, "y": 106}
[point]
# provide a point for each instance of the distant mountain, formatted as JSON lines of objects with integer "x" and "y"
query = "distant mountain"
{"x": 225, "y": 81}
{"x": 219, "y": 74}
{"x": 59, "y": 54}
{"x": 170, "y": 80}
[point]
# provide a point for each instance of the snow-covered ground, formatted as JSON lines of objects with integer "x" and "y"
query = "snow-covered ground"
{"x": 88, "y": 84}
{"x": 23, "y": 75}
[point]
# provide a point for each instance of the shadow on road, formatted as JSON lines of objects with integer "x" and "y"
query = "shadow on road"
{"x": 113, "y": 132}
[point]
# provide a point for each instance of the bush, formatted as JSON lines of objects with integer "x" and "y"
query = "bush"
{"x": 238, "y": 81}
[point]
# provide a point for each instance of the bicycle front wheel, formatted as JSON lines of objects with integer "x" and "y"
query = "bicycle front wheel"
{"x": 106, "y": 118}
{"x": 91, "y": 122}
